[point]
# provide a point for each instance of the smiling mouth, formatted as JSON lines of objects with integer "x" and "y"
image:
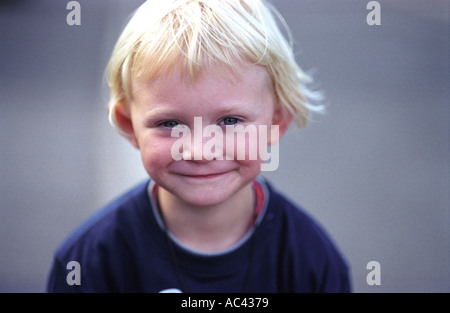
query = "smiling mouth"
{"x": 203, "y": 176}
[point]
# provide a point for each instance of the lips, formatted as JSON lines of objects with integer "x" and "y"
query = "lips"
{"x": 210, "y": 170}
{"x": 203, "y": 176}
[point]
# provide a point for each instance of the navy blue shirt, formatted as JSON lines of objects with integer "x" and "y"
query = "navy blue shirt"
{"x": 124, "y": 248}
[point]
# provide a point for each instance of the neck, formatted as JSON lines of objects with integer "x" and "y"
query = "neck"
{"x": 209, "y": 229}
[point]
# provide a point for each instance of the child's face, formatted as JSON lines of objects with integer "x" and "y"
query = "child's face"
{"x": 219, "y": 98}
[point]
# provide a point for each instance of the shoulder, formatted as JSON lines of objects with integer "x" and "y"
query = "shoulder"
{"x": 111, "y": 218}
{"x": 97, "y": 242}
{"x": 292, "y": 217}
{"x": 307, "y": 243}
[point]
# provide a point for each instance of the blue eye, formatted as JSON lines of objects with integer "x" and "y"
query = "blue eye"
{"x": 170, "y": 124}
{"x": 230, "y": 121}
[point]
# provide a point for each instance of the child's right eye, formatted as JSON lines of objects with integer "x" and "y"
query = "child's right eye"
{"x": 170, "y": 124}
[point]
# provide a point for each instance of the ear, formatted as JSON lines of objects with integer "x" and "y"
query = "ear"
{"x": 121, "y": 118}
{"x": 282, "y": 118}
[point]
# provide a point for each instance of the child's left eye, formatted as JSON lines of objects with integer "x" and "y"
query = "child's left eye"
{"x": 230, "y": 120}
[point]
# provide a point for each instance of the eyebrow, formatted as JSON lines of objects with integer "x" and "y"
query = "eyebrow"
{"x": 162, "y": 112}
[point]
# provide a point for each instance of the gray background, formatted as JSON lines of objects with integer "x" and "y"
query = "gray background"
{"x": 374, "y": 171}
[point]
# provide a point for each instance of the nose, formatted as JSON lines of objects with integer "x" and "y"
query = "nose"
{"x": 193, "y": 151}
{"x": 203, "y": 147}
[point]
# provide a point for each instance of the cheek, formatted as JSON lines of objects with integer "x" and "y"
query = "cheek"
{"x": 156, "y": 155}
{"x": 249, "y": 168}
{"x": 250, "y": 145}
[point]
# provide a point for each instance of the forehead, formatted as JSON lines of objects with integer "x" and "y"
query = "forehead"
{"x": 244, "y": 79}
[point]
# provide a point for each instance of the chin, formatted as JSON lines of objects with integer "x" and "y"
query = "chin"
{"x": 204, "y": 199}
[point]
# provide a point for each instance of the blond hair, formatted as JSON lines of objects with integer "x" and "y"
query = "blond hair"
{"x": 201, "y": 32}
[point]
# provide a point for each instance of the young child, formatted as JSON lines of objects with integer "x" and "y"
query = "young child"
{"x": 206, "y": 221}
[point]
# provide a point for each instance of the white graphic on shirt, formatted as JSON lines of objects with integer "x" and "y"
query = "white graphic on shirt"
{"x": 171, "y": 290}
